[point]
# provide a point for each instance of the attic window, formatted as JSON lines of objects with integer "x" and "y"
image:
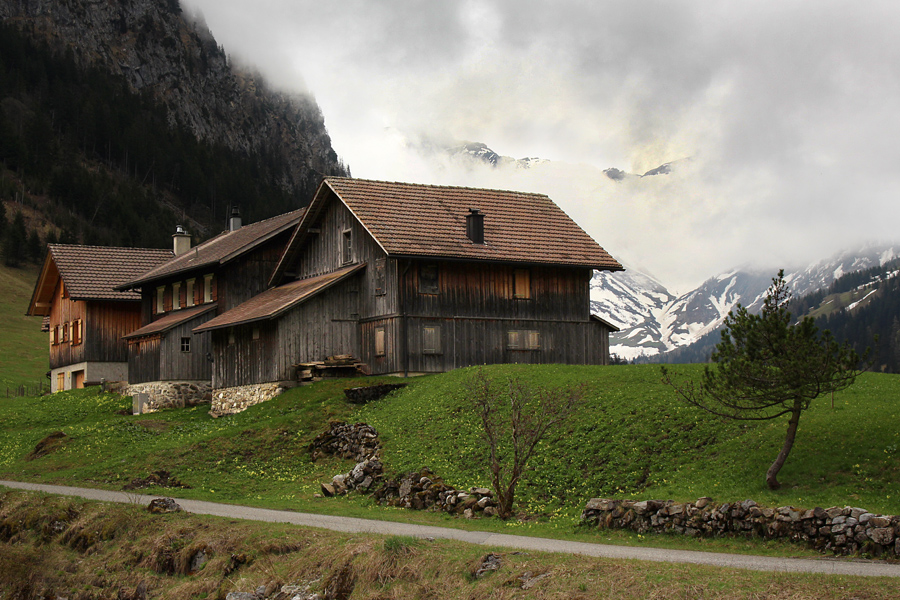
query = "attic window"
{"x": 379, "y": 276}
{"x": 347, "y": 247}
{"x": 176, "y": 295}
{"x": 189, "y": 292}
{"x": 428, "y": 279}
{"x": 522, "y": 283}
{"x": 160, "y": 299}
{"x": 208, "y": 288}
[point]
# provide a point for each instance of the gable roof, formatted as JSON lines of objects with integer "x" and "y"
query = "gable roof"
{"x": 226, "y": 246}
{"x": 275, "y": 301}
{"x": 429, "y": 221}
{"x": 91, "y": 272}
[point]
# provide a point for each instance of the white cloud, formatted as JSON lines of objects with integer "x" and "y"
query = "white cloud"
{"x": 788, "y": 111}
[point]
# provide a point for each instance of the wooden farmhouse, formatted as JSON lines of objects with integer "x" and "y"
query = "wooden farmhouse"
{"x": 87, "y": 318}
{"x": 191, "y": 288}
{"x": 411, "y": 279}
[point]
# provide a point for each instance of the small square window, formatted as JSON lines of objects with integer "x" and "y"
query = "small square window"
{"x": 431, "y": 339}
{"x": 379, "y": 341}
{"x": 528, "y": 339}
{"x": 428, "y": 279}
{"x": 185, "y": 344}
{"x": 522, "y": 283}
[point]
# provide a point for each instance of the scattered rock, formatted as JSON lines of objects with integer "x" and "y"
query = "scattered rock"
{"x": 163, "y": 505}
{"x": 356, "y": 442}
{"x": 156, "y": 479}
{"x": 489, "y": 563}
{"x": 369, "y": 393}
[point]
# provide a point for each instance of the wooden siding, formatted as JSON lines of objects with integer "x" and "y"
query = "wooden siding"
{"x": 159, "y": 357}
{"x": 473, "y": 289}
{"x": 103, "y": 325}
{"x": 143, "y": 359}
{"x": 466, "y": 342}
{"x": 324, "y": 254}
{"x": 323, "y": 326}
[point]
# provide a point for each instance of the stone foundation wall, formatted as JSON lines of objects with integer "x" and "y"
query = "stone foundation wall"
{"x": 227, "y": 401}
{"x": 171, "y": 394}
{"x": 842, "y": 530}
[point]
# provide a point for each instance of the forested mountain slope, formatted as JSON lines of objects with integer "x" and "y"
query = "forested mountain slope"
{"x": 119, "y": 119}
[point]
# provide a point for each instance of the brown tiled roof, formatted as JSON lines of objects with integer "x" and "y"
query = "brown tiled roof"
{"x": 92, "y": 272}
{"x": 417, "y": 220}
{"x": 173, "y": 319}
{"x": 222, "y": 248}
{"x": 275, "y": 301}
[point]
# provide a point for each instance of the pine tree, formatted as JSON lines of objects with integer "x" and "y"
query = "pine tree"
{"x": 767, "y": 367}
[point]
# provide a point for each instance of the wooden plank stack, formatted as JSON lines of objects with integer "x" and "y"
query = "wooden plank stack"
{"x": 341, "y": 365}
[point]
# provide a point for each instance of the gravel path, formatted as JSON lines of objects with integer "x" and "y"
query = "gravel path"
{"x": 828, "y": 566}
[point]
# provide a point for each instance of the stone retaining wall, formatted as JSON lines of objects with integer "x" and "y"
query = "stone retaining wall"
{"x": 846, "y": 530}
{"x": 171, "y": 394}
{"x": 227, "y": 401}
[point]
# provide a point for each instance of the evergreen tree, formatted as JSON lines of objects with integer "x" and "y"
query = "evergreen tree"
{"x": 767, "y": 367}
{"x": 14, "y": 251}
{"x": 35, "y": 247}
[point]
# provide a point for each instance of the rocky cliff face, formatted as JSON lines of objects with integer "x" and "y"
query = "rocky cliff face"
{"x": 178, "y": 63}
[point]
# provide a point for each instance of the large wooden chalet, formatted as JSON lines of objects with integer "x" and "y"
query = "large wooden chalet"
{"x": 192, "y": 288}
{"x": 87, "y": 317}
{"x": 413, "y": 278}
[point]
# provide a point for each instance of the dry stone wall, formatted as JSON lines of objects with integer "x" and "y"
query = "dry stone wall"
{"x": 227, "y": 401}
{"x": 842, "y": 530}
{"x": 171, "y": 394}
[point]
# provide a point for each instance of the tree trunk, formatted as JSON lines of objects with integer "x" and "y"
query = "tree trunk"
{"x": 772, "y": 473}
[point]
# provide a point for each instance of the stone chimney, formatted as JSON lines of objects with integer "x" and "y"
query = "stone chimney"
{"x": 234, "y": 222}
{"x": 181, "y": 241}
{"x": 475, "y": 226}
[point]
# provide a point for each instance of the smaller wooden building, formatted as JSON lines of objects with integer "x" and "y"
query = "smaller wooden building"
{"x": 85, "y": 315}
{"x": 412, "y": 278}
{"x": 194, "y": 286}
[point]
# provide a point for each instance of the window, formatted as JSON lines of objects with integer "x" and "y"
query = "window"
{"x": 379, "y": 276}
{"x": 185, "y": 344}
{"x": 65, "y": 332}
{"x": 379, "y": 341}
{"x": 77, "y": 331}
{"x": 528, "y": 339}
{"x": 255, "y": 333}
{"x": 176, "y": 295}
{"x": 431, "y": 339}
{"x": 208, "y": 288}
{"x": 347, "y": 247}
{"x": 54, "y": 335}
{"x": 428, "y": 279}
{"x": 189, "y": 292}
{"x": 522, "y": 283}
{"x": 160, "y": 299}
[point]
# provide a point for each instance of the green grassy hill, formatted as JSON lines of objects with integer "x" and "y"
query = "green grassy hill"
{"x": 632, "y": 440}
{"x": 23, "y": 348}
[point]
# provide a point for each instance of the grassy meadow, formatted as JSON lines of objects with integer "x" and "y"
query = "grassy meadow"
{"x": 23, "y": 348}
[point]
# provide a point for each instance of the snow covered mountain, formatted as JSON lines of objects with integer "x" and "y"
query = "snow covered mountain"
{"x": 652, "y": 320}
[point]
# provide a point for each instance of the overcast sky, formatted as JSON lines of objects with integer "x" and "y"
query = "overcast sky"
{"x": 783, "y": 116}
